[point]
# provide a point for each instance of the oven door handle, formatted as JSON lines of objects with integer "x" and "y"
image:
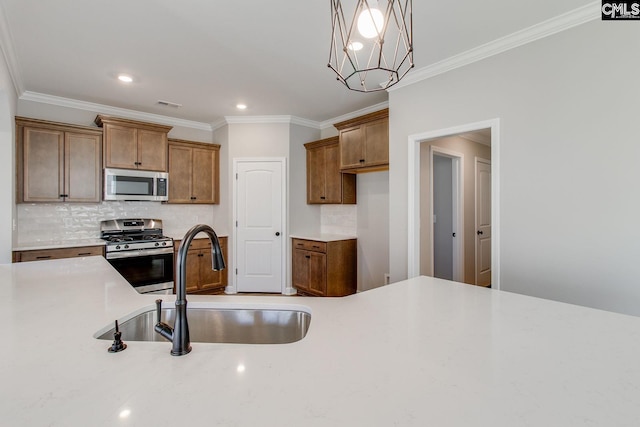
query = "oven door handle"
{"x": 138, "y": 253}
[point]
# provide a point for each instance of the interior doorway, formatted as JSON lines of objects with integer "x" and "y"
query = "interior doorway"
{"x": 259, "y": 233}
{"x": 422, "y": 254}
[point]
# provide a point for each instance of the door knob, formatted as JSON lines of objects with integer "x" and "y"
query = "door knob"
{"x": 480, "y": 232}
{"x": 277, "y": 233}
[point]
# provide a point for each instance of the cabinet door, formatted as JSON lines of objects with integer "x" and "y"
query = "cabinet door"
{"x": 351, "y": 148}
{"x": 376, "y": 143}
{"x": 300, "y": 270}
{"x": 333, "y": 177}
{"x": 209, "y": 279}
{"x": 317, "y": 272}
{"x": 120, "y": 147}
{"x": 193, "y": 270}
{"x": 180, "y": 172}
{"x": 205, "y": 182}
{"x": 316, "y": 175}
{"x": 43, "y": 163}
{"x": 152, "y": 150}
{"x": 83, "y": 166}
{"x": 310, "y": 272}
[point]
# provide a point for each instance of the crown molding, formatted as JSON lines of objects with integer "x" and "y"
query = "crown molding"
{"x": 544, "y": 29}
{"x": 9, "y": 54}
{"x": 271, "y": 120}
{"x": 352, "y": 115}
{"x": 114, "y": 111}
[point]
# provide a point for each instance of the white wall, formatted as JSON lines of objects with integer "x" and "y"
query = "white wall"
{"x": 568, "y": 106}
{"x": 8, "y": 100}
{"x": 373, "y": 229}
{"x": 254, "y": 140}
{"x": 303, "y": 218}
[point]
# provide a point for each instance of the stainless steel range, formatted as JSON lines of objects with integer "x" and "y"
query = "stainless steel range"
{"x": 140, "y": 252}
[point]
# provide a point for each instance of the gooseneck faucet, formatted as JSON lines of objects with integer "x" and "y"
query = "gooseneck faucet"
{"x": 179, "y": 334}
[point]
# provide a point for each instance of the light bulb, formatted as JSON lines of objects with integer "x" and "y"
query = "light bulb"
{"x": 370, "y": 22}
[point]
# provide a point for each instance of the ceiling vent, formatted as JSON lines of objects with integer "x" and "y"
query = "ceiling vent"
{"x": 169, "y": 104}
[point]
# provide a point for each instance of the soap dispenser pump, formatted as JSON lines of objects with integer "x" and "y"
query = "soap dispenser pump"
{"x": 118, "y": 344}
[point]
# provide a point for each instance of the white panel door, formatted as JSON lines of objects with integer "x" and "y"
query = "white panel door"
{"x": 259, "y": 226}
{"x": 483, "y": 222}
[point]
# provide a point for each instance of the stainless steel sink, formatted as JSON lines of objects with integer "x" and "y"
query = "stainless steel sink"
{"x": 219, "y": 325}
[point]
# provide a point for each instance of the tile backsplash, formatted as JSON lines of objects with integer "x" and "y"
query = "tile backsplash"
{"x": 39, "y": 223}
{"x": 339, "y": 219}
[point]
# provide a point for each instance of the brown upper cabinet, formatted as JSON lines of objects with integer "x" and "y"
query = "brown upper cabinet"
{"x": 194, "y": 172}
{"x": 130, "y": 144}
{"x": 325, "y": 183}
{"x": 57, "y": 162}
{"x": 364, "y": 143}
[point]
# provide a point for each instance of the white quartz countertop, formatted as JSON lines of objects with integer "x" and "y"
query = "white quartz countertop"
{"x": 58, "y": 244}
{"x": 322, "y": 237}
{"x": 423, "y": 352}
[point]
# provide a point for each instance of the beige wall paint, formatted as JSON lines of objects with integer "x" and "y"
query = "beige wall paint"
{"x": 373, "y": 229}
{"x": 469, "y": 151}
{"x": 568, "y": 157}
{"x": 8, "y": 101}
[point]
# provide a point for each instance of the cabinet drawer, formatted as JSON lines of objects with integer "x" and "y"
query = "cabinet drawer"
{"x": 310, "y": 245}
{"x": 201, "y": 243}
{"x": 44, "y": 254}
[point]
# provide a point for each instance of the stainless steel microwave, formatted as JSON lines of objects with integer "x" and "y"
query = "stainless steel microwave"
{"x": 124, "y": 184}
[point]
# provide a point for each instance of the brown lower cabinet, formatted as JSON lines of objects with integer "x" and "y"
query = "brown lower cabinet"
{"x": 200, "y": 278}
{"x": 44, "y": 254}
{"x": 325, "y": 268}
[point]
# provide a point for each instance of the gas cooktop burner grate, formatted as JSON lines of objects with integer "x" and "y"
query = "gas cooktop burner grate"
{"x": 128, "y": 234}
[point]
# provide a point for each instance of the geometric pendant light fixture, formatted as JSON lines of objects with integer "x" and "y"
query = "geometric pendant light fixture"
{"x": 371, "y": 42}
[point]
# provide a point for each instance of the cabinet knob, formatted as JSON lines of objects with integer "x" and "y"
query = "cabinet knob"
{"x": 277, "y": 233}
{"x": 307, "y": 256}
{"x": 361, "y": 160}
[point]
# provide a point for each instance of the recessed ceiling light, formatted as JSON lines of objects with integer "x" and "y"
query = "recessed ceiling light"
{"x": 241, "y": 107}
{"x": 125, "y": 78}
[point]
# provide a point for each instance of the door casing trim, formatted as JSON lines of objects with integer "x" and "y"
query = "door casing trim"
{"x": 413, "y": 203}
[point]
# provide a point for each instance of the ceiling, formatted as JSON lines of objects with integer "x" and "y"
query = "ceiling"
{"x": 211, "y": 55}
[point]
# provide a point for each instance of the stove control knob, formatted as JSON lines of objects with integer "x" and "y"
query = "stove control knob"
{"x": 117, "y": 246}
{"x": 164, "y": 243}
{"x": 126, "y": 246}
{"x": 157, "y": 244}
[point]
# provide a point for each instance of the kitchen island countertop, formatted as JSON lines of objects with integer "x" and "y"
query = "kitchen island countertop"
{"x": 422, "y": 352}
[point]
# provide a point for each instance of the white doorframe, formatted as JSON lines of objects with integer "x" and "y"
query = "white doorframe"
{"x": 458, "y": 209}
{"x": 232, "y": 287}
{"x": 413, "y": 229}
